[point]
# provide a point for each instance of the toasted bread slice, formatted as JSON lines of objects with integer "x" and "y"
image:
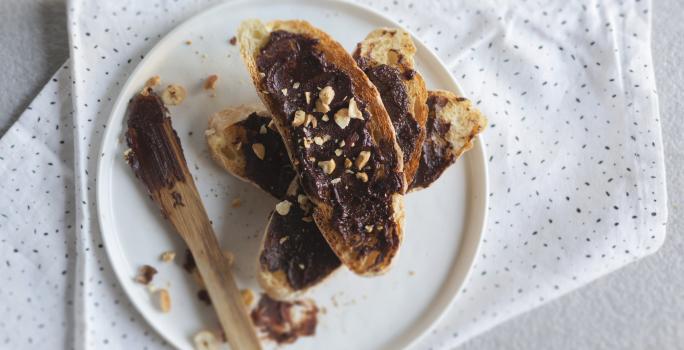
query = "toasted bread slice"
{"x": 338, "y": 135}
{"x": 294, "y": 256}
{"x": 386, "y": 56}
{"x": 242, "y": 142}
{"x": 452, "y": 124}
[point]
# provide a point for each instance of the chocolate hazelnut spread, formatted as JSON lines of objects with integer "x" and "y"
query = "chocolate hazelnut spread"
{"x": 295, "y": 74}
{"x": 389, "y": 82}
{"x": 436, "y": 155}
{"x": 283, "y": 321}
{"x": 294, "y": 245}
{"x": 152, "y": 156}
{"x": 274, "y": 172}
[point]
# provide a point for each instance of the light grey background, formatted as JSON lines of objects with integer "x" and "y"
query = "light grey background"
{"x": 638, "y": 307}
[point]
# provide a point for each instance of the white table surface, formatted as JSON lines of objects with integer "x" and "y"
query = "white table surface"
{"x": 638, "y": 307}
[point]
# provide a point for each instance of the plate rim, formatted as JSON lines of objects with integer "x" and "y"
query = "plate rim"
{"x": 111, "y": 241}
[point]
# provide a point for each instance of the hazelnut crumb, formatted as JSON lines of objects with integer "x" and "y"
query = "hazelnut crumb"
{"x": 236, "y": 202}
{"x": 283, "y": 208}
{"x": 307, "y": 96}
{"x": 326, "y": 95}
{"x": 283, "y": 239}
{"x": 173, "y": 95}
{"x": 284, "y": 91}
{"x": 152, "y": 81}
{"x": 328, "y": 166}
{"x": 259, "y": 150}
{"x": 347, "y": 163}
{"x": 354, "y": 111}
{"x": 336, "y": 180}
{"x": 210, "y": 83}
{"x": 145, "y": 274}
{"x": 299, "y": 118}
{"x": 362, "y": 176}
{"x": 163, "y": 300}
{"x": 369, "y": 228}
{"x": 338, "y": 152}
{"x": 302, "y": 267}
{"x": 362, "y": 159}
{"x": 168, "y": 256}
{"x": 321, "y": 107}
{"x": 295, "y": 85}
{"x": 262, "y": 130}
{"x": 342, "y": 118}
{"x": 247, "y": 296}
{"x": 325, "y": 118}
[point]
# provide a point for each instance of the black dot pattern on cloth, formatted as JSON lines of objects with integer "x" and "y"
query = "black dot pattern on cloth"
{"x": 574, "y": 155}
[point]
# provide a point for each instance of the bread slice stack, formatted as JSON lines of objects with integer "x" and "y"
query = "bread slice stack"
{"x": 352, "y": 164}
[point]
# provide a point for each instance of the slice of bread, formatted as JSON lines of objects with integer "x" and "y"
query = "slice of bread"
{"x": 451, "y": 126}
{"x": 353, "y": 173}
{"x": 294, "y": 256}
{"x": 241, "y": 141}
{"x": 386, "y": 56}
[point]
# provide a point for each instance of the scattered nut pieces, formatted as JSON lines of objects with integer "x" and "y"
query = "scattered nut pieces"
{"x": 209, "y": 132}
{"x": 328, "y": 166}
{"x": 310, "y": 119}
{"x": 127, "y": 154}
{"x": 262, "y": 130}
{"x": 259, "y": 150}
{"x": 369, "y": 228}
{"x": 336, "y": 180}
{"x": 325, "y": 118}
{"x": 326, "y": 95}
{"x": 247, "y": 296}
{"x": 284, "y": 91}
{"x": 302, "y": 267}
{"x": 342, "y": 118}
{"x": 283, "y": 239}
{"x": 283, "y": 207}
{"x": 307, "y": 142}
{"x": 318, "y": 140}
{"x": 153, "y": 81}
{"x": 299, "y": 118}
{"x": 173, "y": 95}
{"x": 163, "y": 300}
{"x": 347, "y": 163}
{"x": 362, "y": 159}
{"x": 338, "y": 152}
{"x": 321, "y": 107}
{"x": 210, "y": 83}
{"x": 295, "y": 85}
{"x": 342, "y": 143}
{"x": 354, "y": 111}
{"x": 307, "y": 96}
{"x": 168, "y": 256}
{"x": 205, "y": 340}
{"x": 236, "y": 202}
{"x": 145, "y": 274}
{"x": 362, "y": 176}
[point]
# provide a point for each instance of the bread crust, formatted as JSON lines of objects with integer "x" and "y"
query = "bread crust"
{"x": 252, "y": 35}
{"x": 395, "y": 48}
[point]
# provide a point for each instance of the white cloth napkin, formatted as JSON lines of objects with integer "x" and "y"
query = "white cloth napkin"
{"x": 575, "y": 159}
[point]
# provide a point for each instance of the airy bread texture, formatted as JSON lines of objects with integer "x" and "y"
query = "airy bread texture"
{"x": 252, "y": 35}
{"x": 394, "y": 47}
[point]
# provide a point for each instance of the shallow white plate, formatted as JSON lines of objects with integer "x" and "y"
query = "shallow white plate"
{"x": 443, "y": 224}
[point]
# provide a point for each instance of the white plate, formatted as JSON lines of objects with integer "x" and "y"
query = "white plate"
{"x": 443, "y": 224}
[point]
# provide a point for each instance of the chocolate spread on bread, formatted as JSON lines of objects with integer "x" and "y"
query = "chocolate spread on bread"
{"x": 362, "y": 212}
{"x": 390, "y": 84}
{"x": 283, "y": 321}
{"x": 294, "y": 245}
{"x": 152, "y": 156}
{"x": 436, "y": 155}
{"x": 274, "y": 172}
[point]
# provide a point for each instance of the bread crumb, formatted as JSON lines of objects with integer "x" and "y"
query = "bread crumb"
{"x": 173, "y": 95}
{"x": 168, "y": 256}
{"x": 210, "y": 83}
{"x": 145, "y": 274}
{"x": 236, "y": 202}
{"x": 163, "y": 300}
{"x": 188, "y": 42}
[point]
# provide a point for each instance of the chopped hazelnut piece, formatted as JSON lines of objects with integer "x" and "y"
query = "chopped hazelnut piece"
{"x": 283, "y": 207}
{"x": 307, "y": 96}
{"x": 368, "y": 228}
{"x": 342, "y": 118}
{"x": 307, "y": 142}
{"x": 338, "y": 152}
{"x": 173, "y": 95}
{"x": 302, "y": 267}
{"x": 302, "y": 200}
{"x": 163, "y": 300}
{"x": 326, "y": 95}
{"x": 362, "y": 159}
{"x": 236, "y": 202}
{"x": 247, "y": 296}
{"x": 210, "y": 83}
{"x": 153, "y": 81}
{"x": 283, "y": 239}
{"x": 168, "y": 256}
{"x": 325, "y": 118}
{"x": 262, "y": 130}
{"x": 145, "y": 274}
{"x": 310, "y": 119}
{"x": 299, "y": 118}
{"x": 295, "y": 85}
{"x": 284, "y": 91}
{"x": 205, "y": 340}
{"x": 262, "y": 74}
{"x": 259, "y": 150}
{"x": 328, "y": 166}
{"x": 318, "y": 140}
{"x": 362, "y": 176}
{"x": 347, "y": 163}
{"x": 342, "y": 143}
{"x": 321, "y": 107}
{"x": 336, "y": 180}
{"x": 354, "y": 111}
{"x": 209, "y": 132}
